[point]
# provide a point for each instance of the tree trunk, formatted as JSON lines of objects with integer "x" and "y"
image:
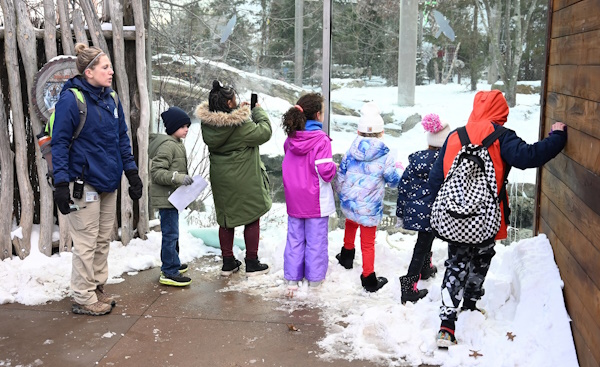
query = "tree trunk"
{"x": 509, "y": 60}
{"x": 79, "y": 27}
{"x": 492, "y": 11}
{"x": 93, "y": 24}
{"x": 299, "y": 42}
{"x": 65, "y": 28}
{"x": 123, "y": 89}
{"x": 263, "y": 35}
{"x": 28, "y": 47}
{"x": 49, "y": 29}
{"x": 142, "y": 131}
{"x": 7, "y": 185}
{"x": 23, "y": 244}
{"x": 106, "y": 11}
{"x": 66, "y": 242}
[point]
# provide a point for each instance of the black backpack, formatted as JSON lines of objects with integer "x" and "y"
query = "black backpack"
{"x": 467, "y": 207}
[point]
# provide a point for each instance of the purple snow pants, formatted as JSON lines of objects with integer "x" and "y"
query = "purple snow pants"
{"x": 305, "y": 254}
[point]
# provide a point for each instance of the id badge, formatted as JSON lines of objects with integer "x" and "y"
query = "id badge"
{"x": 91, "y": 196}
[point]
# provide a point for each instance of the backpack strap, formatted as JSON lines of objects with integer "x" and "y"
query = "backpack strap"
{"x": 497, "y": 133}
{"x": 502, "y": 195}
{"x": 115, "y": 97}
{"x": 81, "y": 106}
{"x": 463, "y": 136}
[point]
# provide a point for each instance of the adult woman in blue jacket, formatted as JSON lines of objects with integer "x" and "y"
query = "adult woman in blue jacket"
{"x": 91, "y": 167}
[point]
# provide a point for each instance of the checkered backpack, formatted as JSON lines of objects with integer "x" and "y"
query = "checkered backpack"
{"x": 466, "y": 210}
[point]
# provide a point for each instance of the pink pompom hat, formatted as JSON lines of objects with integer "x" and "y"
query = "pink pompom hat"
{"x": 437, "y": 131}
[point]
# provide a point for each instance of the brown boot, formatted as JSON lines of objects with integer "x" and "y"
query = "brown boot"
{"x": 104, "y": 297}
{"x": 95, "y": 309}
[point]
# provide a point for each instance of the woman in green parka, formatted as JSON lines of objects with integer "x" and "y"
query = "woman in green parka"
{"x": 238, "y": 178}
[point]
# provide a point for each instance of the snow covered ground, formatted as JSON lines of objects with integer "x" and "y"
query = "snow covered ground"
{"x": 526, "y": 323}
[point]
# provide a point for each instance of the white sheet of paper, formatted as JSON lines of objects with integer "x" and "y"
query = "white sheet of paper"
{"x": 185, "y": 195}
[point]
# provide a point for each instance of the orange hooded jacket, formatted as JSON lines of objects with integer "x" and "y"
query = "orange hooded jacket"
{"x": 488, "y": 108}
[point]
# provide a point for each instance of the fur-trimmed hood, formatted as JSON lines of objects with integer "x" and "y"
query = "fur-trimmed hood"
{"x": 221, "y": 119}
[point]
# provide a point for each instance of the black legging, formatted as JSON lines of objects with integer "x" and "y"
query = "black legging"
{"x": 422, "y": 249}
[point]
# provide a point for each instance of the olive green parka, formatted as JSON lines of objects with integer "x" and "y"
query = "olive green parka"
{"x": 238, "y": 178}
{"x": 167, "y": 157}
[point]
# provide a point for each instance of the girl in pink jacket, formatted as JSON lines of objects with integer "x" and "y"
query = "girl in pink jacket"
{"x": 308, "y": 170}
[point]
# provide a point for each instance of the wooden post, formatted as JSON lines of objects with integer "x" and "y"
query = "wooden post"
{"x": 79, "y": 27}
{"x": 142, "y": 132}
{"x": 23, "y": 244}
{"x": 123, "y": 89}
{"x": 28, "y": 47}
{"x": 93, "y": 25}
{"x": 7, "y": 187}
{"x": 65, "y": 29}
{"x": 49, "y": 29}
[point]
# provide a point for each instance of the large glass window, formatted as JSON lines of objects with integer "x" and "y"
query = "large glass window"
{"x": 410, "y": 58}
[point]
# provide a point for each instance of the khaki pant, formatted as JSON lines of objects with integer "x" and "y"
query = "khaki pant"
{"x": 90, "y": 229}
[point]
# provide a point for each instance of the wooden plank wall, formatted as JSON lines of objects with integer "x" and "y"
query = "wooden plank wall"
{"x": 569, "y": 190}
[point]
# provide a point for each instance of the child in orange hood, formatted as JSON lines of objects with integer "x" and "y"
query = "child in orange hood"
{"x": 467, "y": 265}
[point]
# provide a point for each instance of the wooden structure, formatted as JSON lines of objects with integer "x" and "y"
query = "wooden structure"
{"x": 24, "y": 49}
{"x": 569, "y": 203}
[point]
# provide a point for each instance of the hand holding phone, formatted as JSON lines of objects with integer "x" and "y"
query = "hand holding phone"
{"x": 253, "y": 100}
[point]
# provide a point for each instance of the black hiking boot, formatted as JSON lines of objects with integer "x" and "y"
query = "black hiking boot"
{"x": 410, "y": 292}
{"x": 346, "y": 258}
{"x": 428, "y": 269}
{"x": 471, "y": 305}
{"x": 255, "y": 267}
{"x": 230, "y": 265}
{"x": 372, "y": 283}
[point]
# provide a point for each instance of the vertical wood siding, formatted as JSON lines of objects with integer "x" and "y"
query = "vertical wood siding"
{"x": 569, "y": 190}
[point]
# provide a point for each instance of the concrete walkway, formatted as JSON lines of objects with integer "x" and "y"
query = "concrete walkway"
{"x": 156, "y": 325}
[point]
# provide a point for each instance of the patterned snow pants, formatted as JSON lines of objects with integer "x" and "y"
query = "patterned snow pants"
{"x": 466, "y": 268}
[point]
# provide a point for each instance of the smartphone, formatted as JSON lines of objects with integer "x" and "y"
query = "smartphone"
{"x": 253, "y": 100}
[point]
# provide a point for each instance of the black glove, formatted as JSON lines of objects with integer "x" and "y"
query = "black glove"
{"x": 135, "y": 184}
{"x": 62, "y": 197}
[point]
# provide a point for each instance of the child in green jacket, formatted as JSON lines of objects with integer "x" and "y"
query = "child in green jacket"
{"x": 168, "y": 170}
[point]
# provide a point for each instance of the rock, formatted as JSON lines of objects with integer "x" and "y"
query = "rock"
{"x": 521, "y": 88}
{"x": 411, "y": 122}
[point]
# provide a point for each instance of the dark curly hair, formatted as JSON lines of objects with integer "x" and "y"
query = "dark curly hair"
{"x": 295, "y": 118}
{"x": 219, "y": 96}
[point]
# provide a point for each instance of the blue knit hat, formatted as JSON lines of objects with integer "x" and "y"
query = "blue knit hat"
{"x": 174, "y": 118}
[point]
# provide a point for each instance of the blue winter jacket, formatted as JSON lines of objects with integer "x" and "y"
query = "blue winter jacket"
{"x": 102, "y": 151}
{"x": 414, "y": 195}
{"x": 361, "y": 178}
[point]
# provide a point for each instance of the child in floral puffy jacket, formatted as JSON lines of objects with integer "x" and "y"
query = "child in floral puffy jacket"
{"x": 360, "y": 181}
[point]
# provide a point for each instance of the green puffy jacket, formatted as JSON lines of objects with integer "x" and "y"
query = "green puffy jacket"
{"x": 167, "y": 157}
{"x": 238, "y": 178}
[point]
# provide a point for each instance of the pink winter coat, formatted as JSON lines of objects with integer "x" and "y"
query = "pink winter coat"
{"x": 308, "y": 170}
